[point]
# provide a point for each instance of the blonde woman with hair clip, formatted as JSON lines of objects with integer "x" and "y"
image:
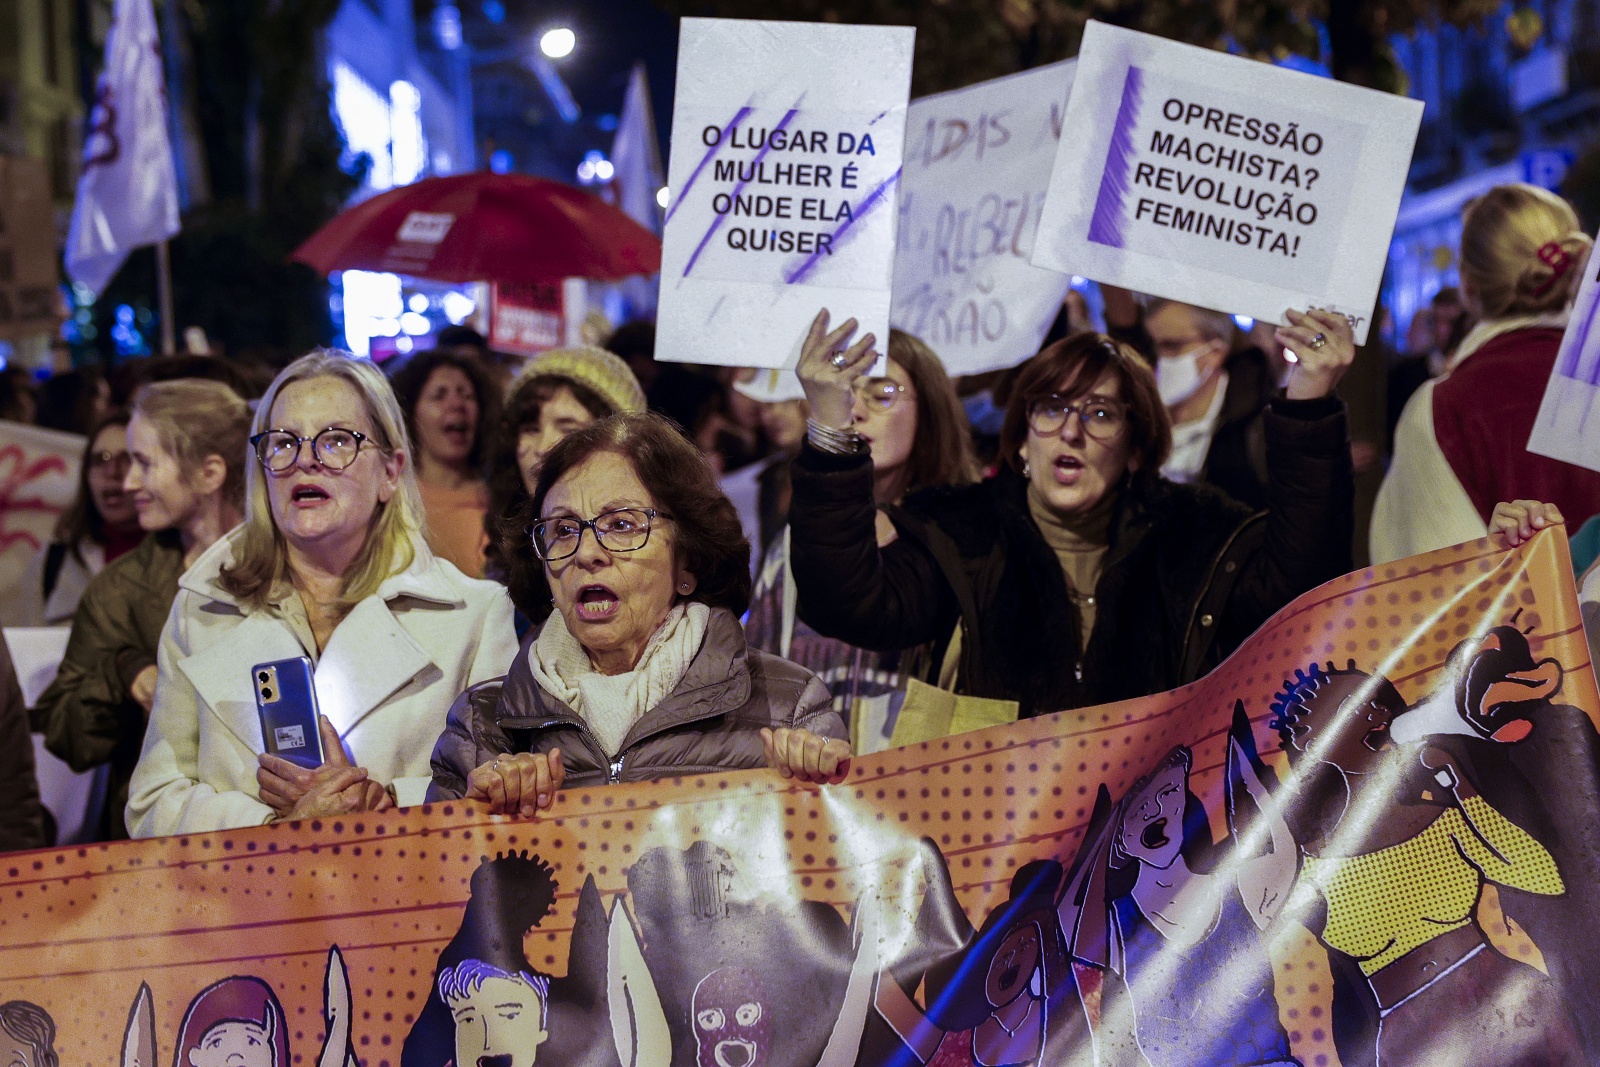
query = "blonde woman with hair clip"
{"x": 185, "y": 472}
{"x": 1461, "y": 445}
{"x": 330, "y": 564}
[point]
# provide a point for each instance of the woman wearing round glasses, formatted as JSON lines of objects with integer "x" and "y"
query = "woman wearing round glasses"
{"x": 642, "y": 670}
{"x": 330, "y": 563}
{"x": 1077, "y": 575}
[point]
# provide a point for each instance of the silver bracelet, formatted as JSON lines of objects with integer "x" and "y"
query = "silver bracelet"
{"x": 830, "y": 439}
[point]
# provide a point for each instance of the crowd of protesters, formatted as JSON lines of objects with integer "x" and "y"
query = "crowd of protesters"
{"x": 597, "y": 568}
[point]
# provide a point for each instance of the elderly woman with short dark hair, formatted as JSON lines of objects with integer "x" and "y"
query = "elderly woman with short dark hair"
{"x": 642, "y": 670}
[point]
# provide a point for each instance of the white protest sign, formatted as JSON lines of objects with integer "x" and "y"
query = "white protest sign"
{"x": 1568, "y": 426}
{"x": 977, "y": 165}
{"x": 784, "y": 176}
{"x": 1225, "y": 182}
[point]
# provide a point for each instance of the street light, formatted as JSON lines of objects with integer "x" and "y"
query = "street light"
{"x": 558, "y": 43}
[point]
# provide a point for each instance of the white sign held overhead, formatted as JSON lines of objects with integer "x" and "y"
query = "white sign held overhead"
{"x": 785, "y": 171}
{"x": 977, "y": 166}
{"x": 1225, "y": 182}
{"x": 1568, "y": 426}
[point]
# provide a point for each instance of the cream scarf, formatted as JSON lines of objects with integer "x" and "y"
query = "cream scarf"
{"x": 1422, "y": 504}
{"x": 611, "y": 704}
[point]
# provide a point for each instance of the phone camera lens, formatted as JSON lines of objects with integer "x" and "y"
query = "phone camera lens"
{"x": 263, "y": 675}
{"x": 267, "y": 694}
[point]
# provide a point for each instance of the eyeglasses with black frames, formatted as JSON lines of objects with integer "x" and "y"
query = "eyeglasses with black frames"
{"x": 335, "y": 448}
{"x": 1103, "y": 419}
{"x": 619, "y": 530}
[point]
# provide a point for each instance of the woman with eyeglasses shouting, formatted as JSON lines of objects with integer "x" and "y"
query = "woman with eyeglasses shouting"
{"x": 1077, "y": 575}
{"x": 913, "y": 424}
{"x": 330, "y": 564}
{"x": 642, "y": 670}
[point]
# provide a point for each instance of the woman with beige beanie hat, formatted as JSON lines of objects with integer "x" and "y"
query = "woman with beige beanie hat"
{"x": 557, "y": 393}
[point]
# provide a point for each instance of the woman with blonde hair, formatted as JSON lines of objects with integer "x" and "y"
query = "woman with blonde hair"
{"x": 329, "y": 564}
{"x": 1461, "y": 445}
{"x": 185, "y": 473}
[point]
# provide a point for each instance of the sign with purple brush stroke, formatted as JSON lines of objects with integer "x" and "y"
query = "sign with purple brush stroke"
{"x": 1106, "y": 225}
{"x": 1568, "y": 426}
{"x": 1224, "y": 182}
{"x": 783, "y": 183}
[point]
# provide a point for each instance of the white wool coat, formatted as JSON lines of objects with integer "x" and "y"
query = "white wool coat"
{"x": 385, "y": 681}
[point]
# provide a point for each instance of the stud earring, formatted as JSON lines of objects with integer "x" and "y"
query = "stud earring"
{"x": 1027, "y": 471}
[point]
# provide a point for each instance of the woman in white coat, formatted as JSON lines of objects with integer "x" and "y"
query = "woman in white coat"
{"x": 330, "y": 563}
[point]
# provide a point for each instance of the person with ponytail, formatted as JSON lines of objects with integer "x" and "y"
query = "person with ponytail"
{"x": 1461, "y": 445}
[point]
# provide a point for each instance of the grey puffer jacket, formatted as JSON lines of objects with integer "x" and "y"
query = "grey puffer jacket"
{"x": 711, "y": 722}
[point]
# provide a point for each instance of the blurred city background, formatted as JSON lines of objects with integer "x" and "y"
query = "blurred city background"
{"x": 284, "y": 112}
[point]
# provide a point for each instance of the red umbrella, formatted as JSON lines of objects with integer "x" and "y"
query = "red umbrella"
{"x": 507, "y": 228}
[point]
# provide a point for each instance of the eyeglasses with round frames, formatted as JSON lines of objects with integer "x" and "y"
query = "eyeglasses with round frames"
{"x": 335, "y": 448}
{"x": 620, "y": 530}
{"x": 880, "y": 394}
{"x": 1103, "y": 420}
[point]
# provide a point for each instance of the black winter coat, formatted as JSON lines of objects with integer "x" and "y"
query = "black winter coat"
{"x": 1189, "y": 573}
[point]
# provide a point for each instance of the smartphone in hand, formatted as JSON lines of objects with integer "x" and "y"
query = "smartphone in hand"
{"x": 286, "y": 701}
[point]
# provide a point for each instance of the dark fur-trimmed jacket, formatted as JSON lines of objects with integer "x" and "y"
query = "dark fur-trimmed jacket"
{"x": 1189, "y": 573}
{"x": 711, "y": 722}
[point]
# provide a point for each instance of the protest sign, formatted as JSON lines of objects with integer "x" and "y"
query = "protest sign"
{"x": 1225, "y": 182}
{"x": 1368, "y": 837}
{"x": 977, "y": 165}
{"x": 27, "y": 249}
{"x": 535, "y": 317}
{"x": 1561, "y": 430}
{"x": 786, "y": 146}
{"x": 38, "y": 481}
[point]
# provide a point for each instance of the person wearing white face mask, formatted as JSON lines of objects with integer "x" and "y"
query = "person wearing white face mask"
{"x": 1214, "y": 397}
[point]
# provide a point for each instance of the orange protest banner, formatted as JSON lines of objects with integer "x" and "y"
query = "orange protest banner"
{"x": 1370, "y": 837}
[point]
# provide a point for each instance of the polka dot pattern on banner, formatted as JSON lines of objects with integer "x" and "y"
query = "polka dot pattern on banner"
{"x": 80, "y": 929}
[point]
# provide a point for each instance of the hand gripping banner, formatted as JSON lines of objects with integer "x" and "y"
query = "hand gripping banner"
{"x": 1370, "y": 837}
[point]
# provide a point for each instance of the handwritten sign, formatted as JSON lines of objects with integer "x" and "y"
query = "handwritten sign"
{"x": 784, "y": 178}
{"x": 1571, "y": 403}
{"x": 977, "y": 166}
{"x": 1224, "y": 182}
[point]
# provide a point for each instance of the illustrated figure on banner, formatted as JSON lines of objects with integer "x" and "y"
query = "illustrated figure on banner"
{"x": 487, "y": 1005}
{"x": 747, "y": 973}
{"x": 236, "y": 1022}
{"x": 1177, "y": 930}
{"x": 1399, "y": 895}
{"x": 27, "y": 1035}
{"x": 1001, "y": 997}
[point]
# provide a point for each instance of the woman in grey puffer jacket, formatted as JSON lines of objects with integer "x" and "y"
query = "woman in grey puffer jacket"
{"x": 642, "y": 671}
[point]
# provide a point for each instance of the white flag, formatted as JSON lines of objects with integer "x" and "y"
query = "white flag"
{"x": 128, "y": 192}
{"x": 636, "y": 155}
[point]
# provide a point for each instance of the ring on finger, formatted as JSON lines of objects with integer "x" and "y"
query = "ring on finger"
{"x": 1319, "y": 340}
{"x": 840, "y": 359}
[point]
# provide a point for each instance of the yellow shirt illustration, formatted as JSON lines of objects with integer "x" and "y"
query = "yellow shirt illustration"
{"x": 1383, "y": 904}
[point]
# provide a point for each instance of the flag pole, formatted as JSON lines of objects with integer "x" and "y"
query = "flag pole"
{"x": 164, "y": 298}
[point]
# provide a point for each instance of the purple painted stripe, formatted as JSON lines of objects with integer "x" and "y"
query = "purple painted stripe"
{"x": 1105, "y": 227}
{"x": 727, "y": 130}
{"x": 1580, "y": 340}
{"x": 870, "y": 201}
{"x": 716, "y": 223}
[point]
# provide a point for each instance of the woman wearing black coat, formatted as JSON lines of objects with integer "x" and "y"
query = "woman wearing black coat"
{"x": 1077, "y": 574}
